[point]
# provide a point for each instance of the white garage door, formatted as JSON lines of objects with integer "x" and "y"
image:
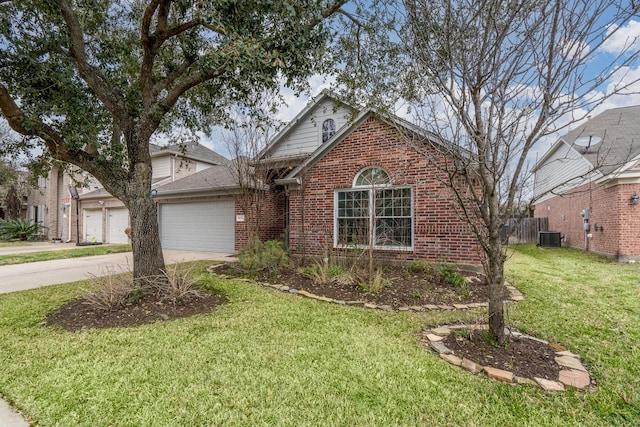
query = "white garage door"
{"x": 93, "y": 225}
{"x": 198, "y": 226}
{"x": 118, "y": 221}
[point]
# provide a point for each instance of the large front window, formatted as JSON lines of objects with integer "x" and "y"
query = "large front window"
{"x": 374, "y": 212}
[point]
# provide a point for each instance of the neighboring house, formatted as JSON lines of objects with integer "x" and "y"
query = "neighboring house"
{"x": 588, "y": 185}
{"x": 102, "y": 217}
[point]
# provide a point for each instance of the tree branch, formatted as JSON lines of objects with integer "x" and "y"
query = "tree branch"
{"x": 114, "y": 102}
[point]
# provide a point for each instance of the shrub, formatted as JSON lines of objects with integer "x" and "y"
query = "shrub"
{"x": 375, "y": 284}
{"x": 23, "y": 229}
{"x": 176, "y": 283}
{"x": 424, "y": 267}
{"x": 258, "y": 257}
{"x": 450, "y": 275}
{"x": 112, "y": 290}
{"x": 322, "y": 272}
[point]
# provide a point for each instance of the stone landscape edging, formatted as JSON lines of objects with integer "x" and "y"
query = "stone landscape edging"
{"x": 572, "y": 373}
{"x": 514, "y": 296}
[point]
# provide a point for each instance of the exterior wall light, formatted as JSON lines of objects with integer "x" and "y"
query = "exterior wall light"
{"x": 633, "y": 200}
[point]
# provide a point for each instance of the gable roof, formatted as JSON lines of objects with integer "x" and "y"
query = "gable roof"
{"x": 306, "y": 112}
{"x": 346, "y": 130}
{"x": 609, "y": 142}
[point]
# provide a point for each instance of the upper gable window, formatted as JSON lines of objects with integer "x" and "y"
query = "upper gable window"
{"x": 328, "y": 129}
{"x": 372, "y": 177}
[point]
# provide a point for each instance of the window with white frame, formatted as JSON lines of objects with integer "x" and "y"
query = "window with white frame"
{"x": 374, "y": 211}
{"x": 328, "y": 129}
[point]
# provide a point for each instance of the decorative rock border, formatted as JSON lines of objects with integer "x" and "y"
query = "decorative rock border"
{"x": 572, "y": 373}
{"x": 514, "y": 296}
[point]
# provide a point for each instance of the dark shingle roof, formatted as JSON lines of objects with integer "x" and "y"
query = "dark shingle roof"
{"x": 619, "y": 130}
{"x": 213, "y": 178}
{"x": 189, "y": 151}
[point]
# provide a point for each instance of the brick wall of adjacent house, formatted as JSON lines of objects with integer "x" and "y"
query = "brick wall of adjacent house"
{"x": 614, "y": 222}
{"x": 264, "y": 217}
{"x": 439, "y": 234}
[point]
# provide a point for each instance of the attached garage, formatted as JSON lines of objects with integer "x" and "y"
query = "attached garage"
{"x": 117, "y": 222}
{"x": 198, "y": 226}
{"x": 92, "y": 225}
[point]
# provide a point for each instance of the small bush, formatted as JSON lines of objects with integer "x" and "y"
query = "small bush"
{"x": 450, "y": 275}
{"x": 258, "y": 257}
{"x": 112, "y": 291}
{"x": 343, "y": 279}
{"x": 419, "y": 266}
{"x": 176, "y": 283}
{"x": 322, "y": 272}
{"x": 423, "y": 267}
{"x": 374, "y": 285}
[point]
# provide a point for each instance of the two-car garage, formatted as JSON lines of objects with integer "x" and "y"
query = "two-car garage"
{"x": 207, "y": 226}
{"x": 198, "y": 226}
{"x": 113, "y": 221}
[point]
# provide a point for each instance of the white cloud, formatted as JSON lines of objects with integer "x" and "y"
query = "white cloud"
{"x": 295, "y": 104}
{"x": 624, "y": 38}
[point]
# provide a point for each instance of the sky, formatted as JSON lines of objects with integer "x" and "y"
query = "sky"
{"x": 630, "y": 33}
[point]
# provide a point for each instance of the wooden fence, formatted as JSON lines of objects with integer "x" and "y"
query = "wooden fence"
{"x": 525, "y": 230}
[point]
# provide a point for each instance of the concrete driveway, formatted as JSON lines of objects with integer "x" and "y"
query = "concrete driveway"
{"x": 31, "y": 275}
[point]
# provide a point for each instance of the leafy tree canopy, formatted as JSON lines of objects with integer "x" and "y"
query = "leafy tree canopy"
{"x": 94, "y": 80}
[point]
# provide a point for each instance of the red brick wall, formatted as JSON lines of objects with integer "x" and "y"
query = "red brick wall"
{"x": 264, "y": 215}
{"x": 609, "y": 210}
{"x": 439, "y": 234}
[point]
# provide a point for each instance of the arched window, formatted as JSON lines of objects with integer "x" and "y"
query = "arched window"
{"x": 374, "y": 212}
{"x": 371, "y": 177}
{"x": 328, "y": 129}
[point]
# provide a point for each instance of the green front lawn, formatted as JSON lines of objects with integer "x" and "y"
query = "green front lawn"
{"x": 269, "y": 358}
{"x": 62, "y": 254}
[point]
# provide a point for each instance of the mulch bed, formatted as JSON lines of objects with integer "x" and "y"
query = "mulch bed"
{"x": 522, "y": 356}
{"x": 404, "y": 289}
{"x": 79, "y": 314}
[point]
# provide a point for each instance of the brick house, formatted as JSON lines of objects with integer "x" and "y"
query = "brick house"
{"x": 336, "y": 165}
{"x": 588, "y": 185}
{"x": 314, "y": 186}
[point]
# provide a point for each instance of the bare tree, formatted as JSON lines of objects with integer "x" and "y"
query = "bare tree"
{"x": 488, "y": 79}
{"x": 247, "y": 136}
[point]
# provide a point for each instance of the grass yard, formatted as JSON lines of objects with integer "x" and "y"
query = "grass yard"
{"x": 62, "y": 254}
{"x": 275, "y": 359}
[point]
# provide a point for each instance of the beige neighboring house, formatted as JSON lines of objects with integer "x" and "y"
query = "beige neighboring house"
{"x": 98, "y": 216}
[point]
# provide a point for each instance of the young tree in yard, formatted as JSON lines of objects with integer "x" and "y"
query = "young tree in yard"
{"x": 493, "y": 77}
{"x": 245, "y": 139}
{"x": 92, "y": 82}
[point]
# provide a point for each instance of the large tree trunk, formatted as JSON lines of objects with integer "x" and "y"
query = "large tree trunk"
{"x": 148, "y": 260}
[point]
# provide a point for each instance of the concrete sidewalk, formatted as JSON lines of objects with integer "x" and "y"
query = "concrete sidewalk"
{"x": 32, "y": 275}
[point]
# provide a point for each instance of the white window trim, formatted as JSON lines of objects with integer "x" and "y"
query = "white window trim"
{"x": 370, "y": 189}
